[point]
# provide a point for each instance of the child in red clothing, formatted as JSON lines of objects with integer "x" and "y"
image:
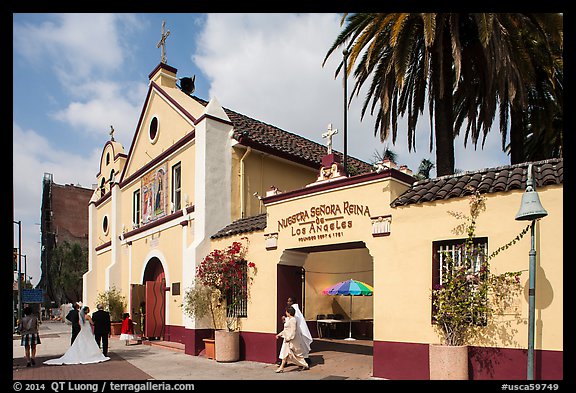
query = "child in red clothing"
{"x": 127, "y": 332}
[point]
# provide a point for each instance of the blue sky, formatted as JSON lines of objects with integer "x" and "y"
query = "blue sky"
{"x": 74, "y": 75}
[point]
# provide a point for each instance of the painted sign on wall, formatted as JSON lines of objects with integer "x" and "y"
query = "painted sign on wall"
{"x": 323, "y": 221}
{"x": 154, "y": 190}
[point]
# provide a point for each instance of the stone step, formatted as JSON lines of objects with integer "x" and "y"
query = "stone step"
{"x": 165, "y": 344}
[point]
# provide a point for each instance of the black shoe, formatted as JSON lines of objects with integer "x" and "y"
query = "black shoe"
{"x": 33, "y": 362}
{"x": 28, "y": 364}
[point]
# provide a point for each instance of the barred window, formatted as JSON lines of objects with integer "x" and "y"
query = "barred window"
{"x": 455, "y": 250}
{"x": 239, "y": 296}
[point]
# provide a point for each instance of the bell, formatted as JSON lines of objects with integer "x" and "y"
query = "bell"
{"x": 531, "y": 208}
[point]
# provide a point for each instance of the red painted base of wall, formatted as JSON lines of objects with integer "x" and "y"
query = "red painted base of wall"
{"x": 257, "y": 347}
{"x": 395, "y": 360}
{"x": 409, "y": 361}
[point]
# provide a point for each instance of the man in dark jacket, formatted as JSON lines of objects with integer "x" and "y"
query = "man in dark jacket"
{"x": 74, "y": 317}
{"x": 102, "y": 328}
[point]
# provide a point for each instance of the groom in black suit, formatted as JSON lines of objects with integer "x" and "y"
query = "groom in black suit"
{"x": 102, "y": 329}
{"x": 74, "y": 317}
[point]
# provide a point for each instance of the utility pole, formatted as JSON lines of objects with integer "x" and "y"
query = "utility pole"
{"x": 19, "y": 268}
{"x": 345, "y": 53}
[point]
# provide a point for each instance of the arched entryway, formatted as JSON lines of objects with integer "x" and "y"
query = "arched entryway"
{"x": 148, "y": 301}
{"x": 304, "y": 273}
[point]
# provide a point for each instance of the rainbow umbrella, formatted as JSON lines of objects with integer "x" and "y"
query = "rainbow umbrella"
{"x": 350, "y": 288}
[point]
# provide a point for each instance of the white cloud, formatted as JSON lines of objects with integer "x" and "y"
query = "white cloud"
{"x": 104, "y": 104}
{"x": 269, "y": 66}
{"x": 76, "y": 45}
{"x": 34, "y": 155}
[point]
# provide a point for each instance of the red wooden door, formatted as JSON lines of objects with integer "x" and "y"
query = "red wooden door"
{"x": 154, "y": 326}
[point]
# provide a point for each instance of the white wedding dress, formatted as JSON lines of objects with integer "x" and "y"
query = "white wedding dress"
{"x": 84, "y": 349}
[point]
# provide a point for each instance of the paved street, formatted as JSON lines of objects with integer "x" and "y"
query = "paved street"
{"x": 151, "y": 362}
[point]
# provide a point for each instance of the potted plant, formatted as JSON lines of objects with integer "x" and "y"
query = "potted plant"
{"x": 201, "y": 301}
{"x": 115, "y": 303}
{"x": 468, "y": 297}
{"x": 228, "y": 275}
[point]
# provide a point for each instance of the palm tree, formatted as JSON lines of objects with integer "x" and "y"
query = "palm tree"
{"x": 424, "y": 169}
{"x": 525, "y": 85}
{"x": 407, "y": 54}
{"x": 386, "y": 154}
{"x": 458, "y": 59}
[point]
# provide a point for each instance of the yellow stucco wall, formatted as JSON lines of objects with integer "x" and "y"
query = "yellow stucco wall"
{"x": 261, "y": 171}
{"x": 172, "y": 126}
{"x": 103, "y": 210}
{"x": 402, "y": 262}
{"x": 262, "y": 299}
{"x": 408, "y": 275}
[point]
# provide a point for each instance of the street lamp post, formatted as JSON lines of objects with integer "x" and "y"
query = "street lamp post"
{"x": 345, "y": 81}
{"x": 19, "y": 315}
{"x": 530, "y": 210}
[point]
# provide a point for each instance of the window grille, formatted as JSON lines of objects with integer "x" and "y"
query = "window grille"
{"x": 456, "y": 251}
{"x": 240, "y": 309}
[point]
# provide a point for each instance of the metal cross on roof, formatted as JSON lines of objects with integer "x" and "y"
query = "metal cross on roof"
{"x": 112, "y": 133}
{"x": 162, "y": 42}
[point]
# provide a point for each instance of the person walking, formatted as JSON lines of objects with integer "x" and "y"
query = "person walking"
{"x": 73, "y": 317}
{"x": 28, "y": 328}
{"x": 291, "y": 350}
{"x": 102, "y": 327}
{"x": 127, "y": 332}
{"x": 303, "y": 327}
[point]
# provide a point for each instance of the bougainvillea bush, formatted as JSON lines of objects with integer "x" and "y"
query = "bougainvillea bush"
{"x": 470, "y": 295}
{"x": 228, "y": 274}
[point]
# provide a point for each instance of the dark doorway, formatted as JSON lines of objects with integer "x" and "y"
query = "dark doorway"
{"x": 290, "y": 279}
{"x": 138, "y": 307}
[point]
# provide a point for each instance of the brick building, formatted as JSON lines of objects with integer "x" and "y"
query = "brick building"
{"x": 64, "y": 217}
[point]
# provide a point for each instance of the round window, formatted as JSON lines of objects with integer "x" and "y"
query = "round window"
{"x": 105, "y": 224}
{"x": 153, "y": 130}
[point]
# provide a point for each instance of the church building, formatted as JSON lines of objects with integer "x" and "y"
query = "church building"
{"x": 198, "y": 176}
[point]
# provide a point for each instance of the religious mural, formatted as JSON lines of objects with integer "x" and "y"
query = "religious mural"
{"x": 154, "y": 194}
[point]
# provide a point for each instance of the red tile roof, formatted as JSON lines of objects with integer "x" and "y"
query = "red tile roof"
{"x": 273, "y": 140}
{"x": 243, "y": 225}
{"x": 504, "y": 178}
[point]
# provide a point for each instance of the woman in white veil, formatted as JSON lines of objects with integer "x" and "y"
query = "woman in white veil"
{"x": 84, "y": 350}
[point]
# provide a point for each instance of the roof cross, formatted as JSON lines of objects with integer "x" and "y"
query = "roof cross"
{"x": 162, "y": 42}
{"x": 111, "y": 133}
{"x": 328, "y": 135}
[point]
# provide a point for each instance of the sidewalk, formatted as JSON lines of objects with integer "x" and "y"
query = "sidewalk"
{"x": 151, "y": 362}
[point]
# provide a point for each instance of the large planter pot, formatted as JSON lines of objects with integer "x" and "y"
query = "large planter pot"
{"x": 227, "y": 346}
{"x": 448, "y": 362}
{"x": 116, "y": 328}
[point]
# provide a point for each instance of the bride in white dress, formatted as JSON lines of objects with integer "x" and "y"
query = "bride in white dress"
{"x": 84, "y": 349}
